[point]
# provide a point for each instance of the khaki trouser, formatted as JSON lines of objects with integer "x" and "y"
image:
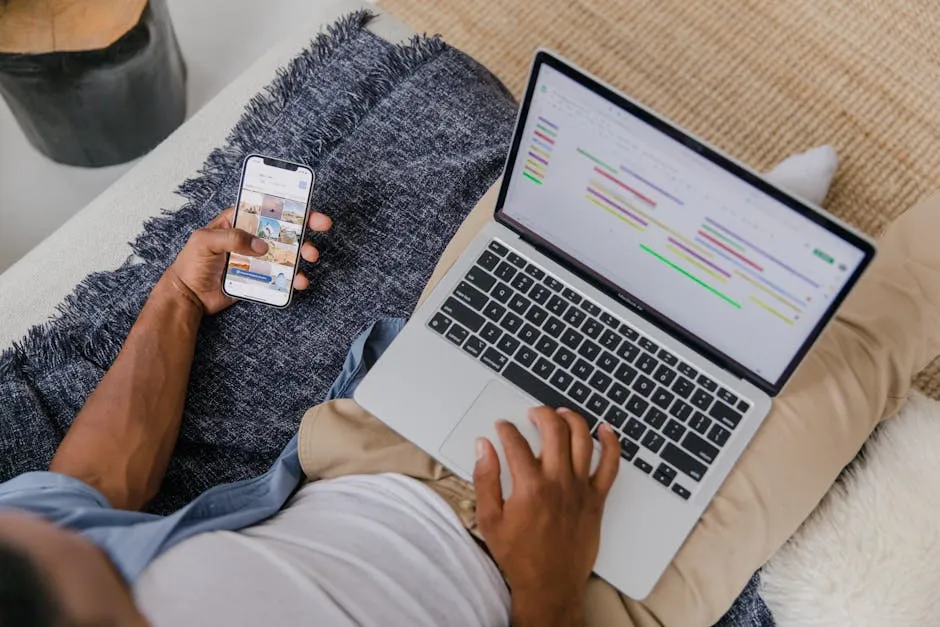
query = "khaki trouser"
{"x": 857, "y": 374}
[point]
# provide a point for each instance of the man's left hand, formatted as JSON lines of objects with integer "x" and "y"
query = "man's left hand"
{"x": 199, "y": 266}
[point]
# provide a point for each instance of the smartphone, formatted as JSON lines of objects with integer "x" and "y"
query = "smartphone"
{"x": 273, "y": 204}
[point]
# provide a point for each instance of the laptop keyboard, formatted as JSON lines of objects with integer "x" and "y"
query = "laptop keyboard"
{"x": 566, "y": 351}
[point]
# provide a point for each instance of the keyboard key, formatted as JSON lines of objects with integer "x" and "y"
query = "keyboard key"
{"x": 643, "y": 386}
{"x": 628, "y": 449}
{"x": 625, "y": 374}
{"x": 681, "y": 411}
{"x": 571, "y": 338}
{"x": 480, "y": 279}
{"x": 582, "y": 370}
{"x": 579, "y": 392}
{"x": 439, "y": 323}
{"x": 502, "y": 292}
{"x": 725, "y": 415}
{"x": 662, "y": 398}
{"x": 702, "y": 399}
{"x": 557, "y": 305}
{"x": 540, "y": 294}
{"x": 649, "y": 345}
{"x": 543, "y": 368}
{"x": 678, "y": 489}
{"x": 609, "y": 320}
{"x": 647, "y": 363}
{"x": 637, "y": 405}
{"x": 516, "y": 260}
{"x": 590, "y": 307}
{"x": 700, "y": 423}
{"x": 683, "y": 462}
{"x": 542, "y": 392}
{"x": 655, "y": 418}
{"x": 535, "y": 272}
{"x": 511, "y": 322}
{"x": 571, "y": 295}
{"x": 610, "y": 340}
{"x": 653, "y": 441}
{"x": 600, "y": 381}
{"x": 564, "y": 357}
{"x": 743, "y": 406}
{"x": 664, "y": 474}
{"x": 519, "y": 303}
{"x": 462, "y": 314}
{"x": 546, "y": 345}
{"x": 529, "y": 335}
{"x": 616, "y": 417}
{"x": 490, "y": 333}
{"x": 635, "y": 429}
{"x": 526, "y": 356}
{"x": 553, "y": 326}
{"x": 667, "y": 357}
{"x": 629, "y": 332}
{"x": 727, "y": 396}
{"x": 505, "y": 271}
{"x": 536, "y": 315}
{"x": 553, "y": 284}
{"x": 494, "y": 311}
{"x": 508, "y": 344}
{"x": 664, "y": 374}
{"x": 474, "y": 346}
{"x": 718, "y": 435}
{"x": 498, "y": 248}
{"x": 597, "y": 404}
{"x": 674, "y": 431}
{"x": 628, "y": 352}
{"x": 470, "y": 295}
{"x": 522, "y": 283}
{"x": 561, "y": 380}
{"x": 618, "y": 394}
{"x": 589, "y": 350}
{"x": 683, "y": 387}
{"x": 574, "y": 316}
{"x": 707, "y": 383}
{"x": 642, "y": 465}
{"x": 607, "y": 362}
{"x": 456, "y": 334}
{"x": 592, "y": 328}
{"x": 488, "y": 260}
{"x": 687, "y": 370}
{"x": 494, "y": 359}
{"x": 700, "y": 448}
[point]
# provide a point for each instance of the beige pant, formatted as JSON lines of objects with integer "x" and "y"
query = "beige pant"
{"x": 857, "y": 374}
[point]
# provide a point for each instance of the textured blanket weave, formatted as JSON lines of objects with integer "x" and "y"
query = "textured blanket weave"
{"x": 403, "y": 140}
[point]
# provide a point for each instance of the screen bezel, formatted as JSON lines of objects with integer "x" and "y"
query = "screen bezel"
{"x": 284, "y": 165}
{"x": 632, "y": 302}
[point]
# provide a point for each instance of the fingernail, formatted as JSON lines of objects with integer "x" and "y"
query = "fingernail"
{"x": 606, "y": 427}
{"x": 481, "y": 449}
{"x": 563, "y": 410}
{"x": 259, "y": 245}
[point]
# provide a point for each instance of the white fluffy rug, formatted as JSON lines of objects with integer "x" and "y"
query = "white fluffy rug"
{"x": 870, "y": 553}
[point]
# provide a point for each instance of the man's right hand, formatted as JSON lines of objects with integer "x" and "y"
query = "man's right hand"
{"x": 546, "y": 535}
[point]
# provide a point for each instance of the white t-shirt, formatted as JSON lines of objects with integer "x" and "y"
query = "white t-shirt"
{"x": 379, "y": 550}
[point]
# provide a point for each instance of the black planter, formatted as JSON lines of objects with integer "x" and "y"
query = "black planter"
{"x": 101, "y": 107}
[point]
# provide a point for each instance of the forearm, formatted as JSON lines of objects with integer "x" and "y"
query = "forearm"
{"x": 546, "y": 609}
{"x": 122, "y": 440}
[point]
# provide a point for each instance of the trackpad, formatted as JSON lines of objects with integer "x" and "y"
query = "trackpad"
{"x": 497, "y": 401}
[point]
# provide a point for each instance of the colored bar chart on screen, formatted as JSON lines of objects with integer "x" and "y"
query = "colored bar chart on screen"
{"x": 539, "y": 152}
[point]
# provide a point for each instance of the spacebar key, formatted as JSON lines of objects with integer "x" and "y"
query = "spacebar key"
{"x": 514, "y": 373}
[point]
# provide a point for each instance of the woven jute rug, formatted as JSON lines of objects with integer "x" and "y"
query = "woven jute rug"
{"x": 760, "y": 79}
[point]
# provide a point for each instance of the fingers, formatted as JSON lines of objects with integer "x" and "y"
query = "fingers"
{"x": 519, "y": 457}
{"x": 556, "y": 439}
{"x": 309, "y": 252}
{"x": 582, "y": 447}
{"x": 301, "y": 282}
{"x": 488, "y": 489}
{"x": 219, "y": 241}
{"x": 223, "y": 220}
{"x": 319, "y": 222}
{"x": 609, "y": 465}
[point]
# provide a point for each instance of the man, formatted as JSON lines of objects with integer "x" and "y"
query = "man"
{"x": 382, "y": 549}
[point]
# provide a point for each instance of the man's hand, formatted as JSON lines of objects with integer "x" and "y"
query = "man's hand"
{"x": 545, "y": 537}
{"x": 199, "y": 266}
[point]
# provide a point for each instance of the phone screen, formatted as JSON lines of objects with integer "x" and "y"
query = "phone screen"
{"x": 272, "y": 204}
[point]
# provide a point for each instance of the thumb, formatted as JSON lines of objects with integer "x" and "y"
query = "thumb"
{"x": 488, "y": 489}
{"x": 220, "y": 241}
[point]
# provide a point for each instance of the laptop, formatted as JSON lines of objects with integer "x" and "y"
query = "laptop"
{"x": 637, "y": 275}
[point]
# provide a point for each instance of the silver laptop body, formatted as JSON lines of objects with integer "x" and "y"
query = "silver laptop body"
{"x": 637, "y": 275}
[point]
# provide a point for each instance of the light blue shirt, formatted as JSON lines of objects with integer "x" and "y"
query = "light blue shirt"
{"x": 132, "y": 539}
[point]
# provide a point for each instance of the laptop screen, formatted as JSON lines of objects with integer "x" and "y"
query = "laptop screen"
{"x": 674, "y": 232}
